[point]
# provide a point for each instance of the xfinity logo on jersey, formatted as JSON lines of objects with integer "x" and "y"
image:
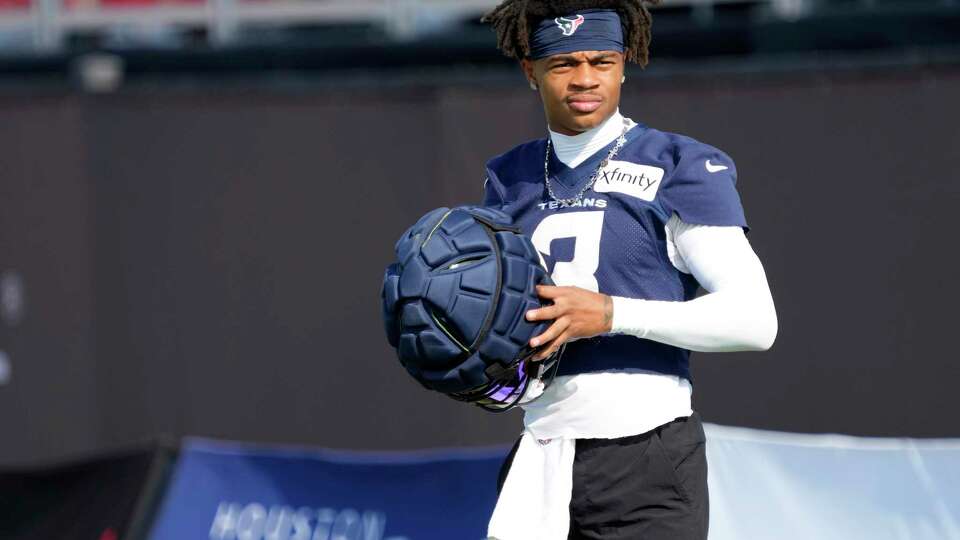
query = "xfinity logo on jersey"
{"x": 234, "y": 521}
{"x": 640, "y": 181}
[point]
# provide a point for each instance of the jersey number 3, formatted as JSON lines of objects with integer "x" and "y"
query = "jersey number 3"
{"x": 585, "y": 229}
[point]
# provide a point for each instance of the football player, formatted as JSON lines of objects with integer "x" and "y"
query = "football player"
{"x": 631, "y": 221}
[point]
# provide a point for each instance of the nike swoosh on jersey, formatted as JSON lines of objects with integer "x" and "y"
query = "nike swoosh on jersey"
{"x": 715, "y": 168}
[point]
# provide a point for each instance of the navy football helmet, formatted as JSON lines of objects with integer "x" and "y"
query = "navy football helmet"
{"x": 454, "y": 305}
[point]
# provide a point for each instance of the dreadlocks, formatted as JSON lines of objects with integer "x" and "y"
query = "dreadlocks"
{"x": 512, "y": 21}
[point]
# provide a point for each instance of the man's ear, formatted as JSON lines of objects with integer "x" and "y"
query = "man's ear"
{"x": 527, "y": 66}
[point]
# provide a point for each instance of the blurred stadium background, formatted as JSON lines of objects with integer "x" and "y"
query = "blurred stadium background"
{"x": 198, "y": 197}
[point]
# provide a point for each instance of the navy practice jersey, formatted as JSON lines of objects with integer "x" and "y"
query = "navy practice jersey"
{"x": 614, "y": 241}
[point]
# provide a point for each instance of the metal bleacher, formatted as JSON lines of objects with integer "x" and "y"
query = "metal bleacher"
{"x": 44, "y": 25}
{"x": 37, "y": 29}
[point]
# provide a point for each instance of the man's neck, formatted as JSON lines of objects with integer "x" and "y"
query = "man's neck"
{"x": 573, "y": 150}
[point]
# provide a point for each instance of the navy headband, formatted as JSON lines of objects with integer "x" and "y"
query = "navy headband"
{"x": 588, "y": 30}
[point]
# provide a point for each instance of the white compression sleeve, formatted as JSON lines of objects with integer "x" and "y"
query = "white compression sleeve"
{"x": 736, "y": 314}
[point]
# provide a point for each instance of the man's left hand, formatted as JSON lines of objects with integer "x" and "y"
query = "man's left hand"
{"x": 576, "y": 313}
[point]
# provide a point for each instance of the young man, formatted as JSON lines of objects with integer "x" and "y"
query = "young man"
{"x": 630, "y": 221}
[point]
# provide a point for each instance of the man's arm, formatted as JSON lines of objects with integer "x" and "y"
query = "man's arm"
{"x": 736, "y": 314}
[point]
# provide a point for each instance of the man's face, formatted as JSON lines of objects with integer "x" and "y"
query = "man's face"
{"x": 579, "y": 90}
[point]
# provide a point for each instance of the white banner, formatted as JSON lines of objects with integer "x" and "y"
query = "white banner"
{"x": 767, "y": 485}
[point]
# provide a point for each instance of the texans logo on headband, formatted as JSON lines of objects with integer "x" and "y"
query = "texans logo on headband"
{"x": 569, "y": 26}
{"x": 588, "y": 30}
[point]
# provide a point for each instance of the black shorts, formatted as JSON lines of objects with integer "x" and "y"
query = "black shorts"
{"x": 651, "y": 486}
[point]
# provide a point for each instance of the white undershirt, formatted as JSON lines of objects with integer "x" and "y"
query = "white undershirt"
{"x": 573, "y": 150}
{"x": 736, "y": 313}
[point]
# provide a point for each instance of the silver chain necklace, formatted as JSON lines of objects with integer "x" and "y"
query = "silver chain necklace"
{"x": 621, "y": 140}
